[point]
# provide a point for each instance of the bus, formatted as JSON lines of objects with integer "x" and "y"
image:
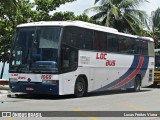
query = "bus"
{"x": 75, "y": 57}
{"x": 157, "y": 67}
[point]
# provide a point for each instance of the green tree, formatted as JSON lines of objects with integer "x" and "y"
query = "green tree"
{"x": 85, "y": 18}
{"x": 63, "y": 16}
{"x": 7, "y": 8}
{"x": 44, "y": 8}
{"x": 154, "y": 27}
{"x": 8, "y": 5}
{"x": 120, "y": 14}
{"x": 12, "y": 13}
{"x": 49, "y": 5}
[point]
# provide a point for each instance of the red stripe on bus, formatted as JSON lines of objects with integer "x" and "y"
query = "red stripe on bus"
{"x": 132, "y": 75}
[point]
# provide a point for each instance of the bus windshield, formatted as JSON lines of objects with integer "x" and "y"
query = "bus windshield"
{"x": 35, "y": 49}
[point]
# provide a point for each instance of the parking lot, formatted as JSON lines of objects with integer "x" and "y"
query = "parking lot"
{"x": 146, "y": 100}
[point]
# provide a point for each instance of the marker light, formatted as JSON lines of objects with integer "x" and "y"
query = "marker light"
{"x": 49, "y": 81}
{"x": 13, "y": 79}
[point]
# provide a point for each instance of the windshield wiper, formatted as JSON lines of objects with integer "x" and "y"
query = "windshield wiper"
{"x": 22, "y": 67}
{"x": 36, "y": 69}
{"x": 19, "y": 67}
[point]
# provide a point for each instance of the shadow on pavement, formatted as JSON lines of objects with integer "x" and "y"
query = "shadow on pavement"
{"x": 40, "y": 96}
{"x": 62, "y": 97}
{"x": 114, "y": 92}
{"x": 154, "y": 86}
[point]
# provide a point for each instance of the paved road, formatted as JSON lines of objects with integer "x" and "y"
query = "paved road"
{"x": 146, "y": 100}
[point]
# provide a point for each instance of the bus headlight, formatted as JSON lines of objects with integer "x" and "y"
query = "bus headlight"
{"x": 13, "y": 79}
{"x": 49, "y": 81}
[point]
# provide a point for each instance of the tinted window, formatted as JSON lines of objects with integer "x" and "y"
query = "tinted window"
{"x": 142, "y": 47}
{"x": 82, "y": 38}
{"x": 100, "y": 41}
{"x": 78, "y": 37}
{"x": 113, "y": 44}
{"x": 69, "y": 58}
{"x": 88, "y": 36}
{"x": 125, "y": 45}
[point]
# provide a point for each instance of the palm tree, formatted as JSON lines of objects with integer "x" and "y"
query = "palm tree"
{"x": 154, "y": 28}
{"x": 120, "y": 14}
{"x": 156, "y": 19}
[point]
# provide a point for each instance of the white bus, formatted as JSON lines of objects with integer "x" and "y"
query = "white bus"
{"x": 75, "y": 57}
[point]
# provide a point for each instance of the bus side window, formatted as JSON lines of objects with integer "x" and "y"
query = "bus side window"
{"x": 73, "y": 61}
{"x": 69, "y": 60}
{"x": 65, "y": 55}
{"x": 113, "y": 43}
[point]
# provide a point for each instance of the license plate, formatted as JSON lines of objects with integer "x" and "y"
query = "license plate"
{"x": 29, "y": 88}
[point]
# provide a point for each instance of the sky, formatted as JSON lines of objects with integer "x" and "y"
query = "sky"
{"x": 80, "y": 5}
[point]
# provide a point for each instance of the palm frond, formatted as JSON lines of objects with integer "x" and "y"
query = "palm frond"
{"x": 99, "y": 16}
{"x": 96, "y": 1}
{"x": 115, "y": 12}
{"x": 94, "y": 9}
{"x": 105, "y": 2}
{"x": 140, "y": 14}
{"x": 156, "y": 18}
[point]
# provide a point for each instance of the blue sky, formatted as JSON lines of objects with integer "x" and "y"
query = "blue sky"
{"x": 80, "y": 5}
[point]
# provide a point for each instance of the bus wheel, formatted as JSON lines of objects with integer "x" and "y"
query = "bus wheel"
{"x": 155, "y": 84}
{"x": 137, "y": 84}
{"x": 80, "y": 87}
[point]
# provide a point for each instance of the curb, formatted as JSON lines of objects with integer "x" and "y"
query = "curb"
{"x": 4, "y": 87}
{"x": 4, "y": 92}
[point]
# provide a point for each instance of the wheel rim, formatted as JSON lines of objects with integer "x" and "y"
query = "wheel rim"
{"x": 80, "y": 87}
{"x": 137, "y": 84}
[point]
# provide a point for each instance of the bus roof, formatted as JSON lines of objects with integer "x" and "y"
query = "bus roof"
{"x": 83, "y": 25}
{"x": 68, "y": 23}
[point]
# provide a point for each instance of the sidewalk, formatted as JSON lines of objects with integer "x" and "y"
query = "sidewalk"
{"x": 4, "y": 89}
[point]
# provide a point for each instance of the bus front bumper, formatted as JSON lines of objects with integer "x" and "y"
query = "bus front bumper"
{"x": 35, "y": 88}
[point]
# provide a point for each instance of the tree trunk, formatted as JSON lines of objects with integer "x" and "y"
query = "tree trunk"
{"x": 2, "y": 70}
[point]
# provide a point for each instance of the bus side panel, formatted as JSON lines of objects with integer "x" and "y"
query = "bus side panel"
{"x": 149, "y": 75}
{"x": 68, "y": 80}
{"x": 115, "y": 71}
{"x": 67, "y": 83}
{"x": 105, "y": 68}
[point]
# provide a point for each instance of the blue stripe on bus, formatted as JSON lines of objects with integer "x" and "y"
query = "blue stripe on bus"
{"x": 125, "y": 75}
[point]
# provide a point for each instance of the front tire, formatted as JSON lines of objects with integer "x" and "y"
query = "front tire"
{"x": 137, "y": 84}
{"x": 155, "y": 84}
{"x": 80, "y": 89}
